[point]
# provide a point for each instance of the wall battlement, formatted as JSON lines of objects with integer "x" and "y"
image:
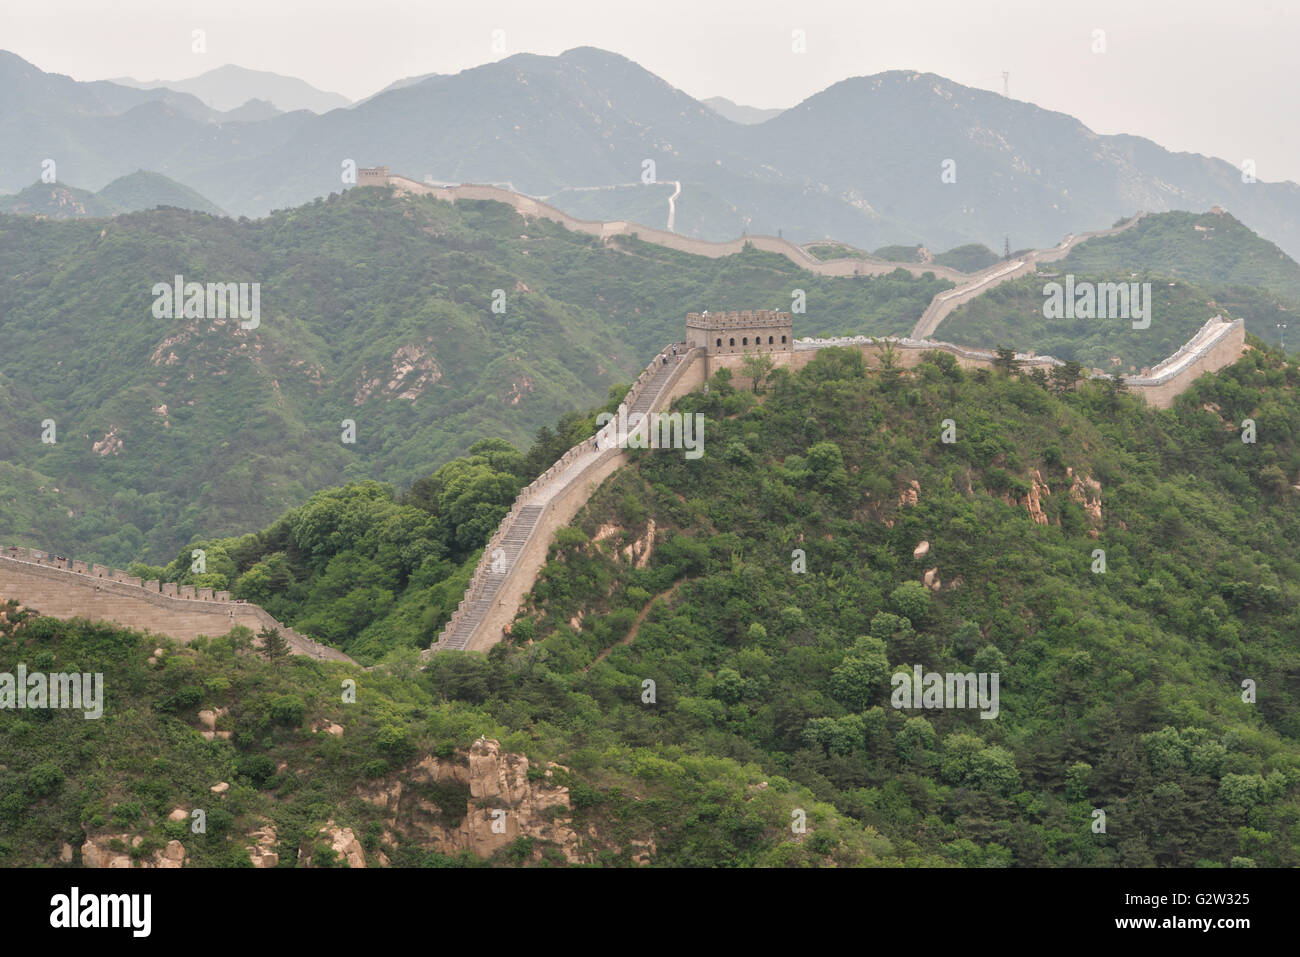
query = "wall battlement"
{"x": 65, "y": 588}
{"x": 1216, "y": 344}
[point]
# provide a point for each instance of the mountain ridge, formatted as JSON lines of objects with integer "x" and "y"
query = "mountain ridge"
{"x": 591, "y": 118}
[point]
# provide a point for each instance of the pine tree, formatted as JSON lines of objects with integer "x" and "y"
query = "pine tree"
{"x": 1006, "y": 361}
{"x": 274, "y": 645}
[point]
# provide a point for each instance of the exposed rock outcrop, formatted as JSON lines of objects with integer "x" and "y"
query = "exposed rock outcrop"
{"x": 639, "y": 551}
{"x": 1087, "y": 493}
{"x": 503, "y": 805}
{"x": 110, "y": 444}
{"x": 208, "y": 722}
{"x": 910, "y": 495}
{"x": 98, "y": 852}
{"x": 262, "y": 853}
{"x": 1034, "y": 500}
{"x": 341, "y": 841}
{"x": 413, "y": 371}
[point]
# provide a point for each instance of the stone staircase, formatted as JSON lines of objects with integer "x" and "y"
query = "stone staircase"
{"x": 645, "y": 402}
{"x": 516, "y": 536}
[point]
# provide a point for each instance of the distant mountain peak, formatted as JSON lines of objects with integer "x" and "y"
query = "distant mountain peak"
{"x": 230, "y": 87}
{"x": 738, "y": 113}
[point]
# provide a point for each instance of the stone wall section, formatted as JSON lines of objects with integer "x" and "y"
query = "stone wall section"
{"x": 64, "y": 588}
{"x": 565, "y": 487}
{"x": 1216, "y": 344}
{"x": 562, "y": 490}
{"x": 527, "y": 206}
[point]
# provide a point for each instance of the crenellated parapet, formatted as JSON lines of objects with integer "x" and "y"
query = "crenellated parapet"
{"x": 67, "y": 588}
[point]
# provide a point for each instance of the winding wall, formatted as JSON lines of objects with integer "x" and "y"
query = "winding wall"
{"x": 560, "y": 492}
{"x": 70, "y": 589}
{"x": 968, "y": 285}
{"x": 566, "y": 486}
{"x": 528, "y": 206}
{"x": 64, "y": 588}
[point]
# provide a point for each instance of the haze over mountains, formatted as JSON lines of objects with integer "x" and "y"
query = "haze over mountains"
{"x": 229, "y": 87}
{"x": 126, "y": 194}
{"x": 860, "y": 162}
{"x": 737, "y": 112}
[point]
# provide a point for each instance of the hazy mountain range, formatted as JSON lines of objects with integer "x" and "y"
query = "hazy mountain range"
{"x": 861, "y": 161}
{"x": 738, "y": 113}
{"x": 229, "y": 87}
{"x": 126, "y": 194}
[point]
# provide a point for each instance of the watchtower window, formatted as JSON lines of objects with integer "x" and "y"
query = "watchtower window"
{"x": 783, "y": 340}
{"x": 719, "y": 343}
{"x": 769, "y": 340}
{"x": 745, "y": 341}
{"x": 732, "y": 340}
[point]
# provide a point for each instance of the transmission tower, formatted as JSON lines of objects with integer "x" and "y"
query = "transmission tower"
{"x": 1006, "y": 83}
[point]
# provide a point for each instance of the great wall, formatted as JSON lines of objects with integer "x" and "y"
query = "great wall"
{"x": 66, "y": 588}
{"x": 518, "y": 548}
{"x": 967, "y": 285}
{"x": 532, "y": 208}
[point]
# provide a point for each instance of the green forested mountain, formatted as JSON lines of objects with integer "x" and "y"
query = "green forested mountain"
{"x": 1215, "y": 249}
{"x": 1011, "y": 314}
{"x": 373, "y": 309}
{"x": 1199, "y": 266}
{"x": 145, "y": 190}
{"x": 1122, "y": 687}
{"x": 280, "y": 776}
{"x": 126, "y": 194}
{"x": 1121, "y": 690}
{"x": 969, "y": 258}
{"x": 57, "y": 201}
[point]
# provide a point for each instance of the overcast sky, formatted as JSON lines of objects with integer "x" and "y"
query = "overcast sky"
{"x": 1207, "y": 76}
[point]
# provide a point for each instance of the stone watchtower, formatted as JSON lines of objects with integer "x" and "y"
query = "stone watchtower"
{"x": 732, "y": 333}
{"x": 372, "y": 176}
